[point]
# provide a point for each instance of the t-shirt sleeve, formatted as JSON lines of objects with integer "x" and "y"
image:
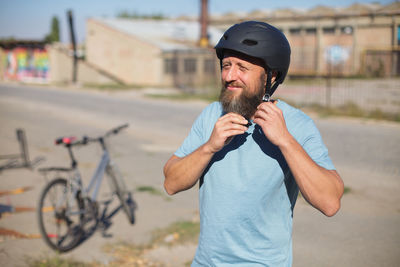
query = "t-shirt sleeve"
{"x": 315, "y": 147}
{"x": 198, "y": 134}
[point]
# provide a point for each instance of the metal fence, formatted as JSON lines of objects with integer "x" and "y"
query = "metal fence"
{"x": 367, "y": 94}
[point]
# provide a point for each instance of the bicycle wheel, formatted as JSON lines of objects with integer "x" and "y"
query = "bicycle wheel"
{"x": 59, "y": 216}
{"x": 119, "y": 188}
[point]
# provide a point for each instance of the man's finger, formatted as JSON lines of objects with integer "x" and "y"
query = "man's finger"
{"x": 234, "y": 118}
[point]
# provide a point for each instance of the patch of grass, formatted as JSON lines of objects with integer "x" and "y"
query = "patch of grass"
{"x": 177, "y": 233}
{"x": 149, "y": 189}
{"x": 304, "y": 81}
{"x": 112, "y": 86}
{"x": 346, "y": 190}
{"x": 57, "y": 261}
{"x": 133, "y": 255}
{"x": 350, "y": 109}
{"x": 126, "y": 254}
{"x": 186, "y": 96}
{"x": 152, "y": 191}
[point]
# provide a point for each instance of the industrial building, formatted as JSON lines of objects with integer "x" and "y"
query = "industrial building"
{"x": 152, "y": 52}
{"x": 358, "y": 40}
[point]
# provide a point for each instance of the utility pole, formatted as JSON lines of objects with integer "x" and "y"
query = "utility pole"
{"x": 73, "y": 41}
{"x": 204, "y": 42}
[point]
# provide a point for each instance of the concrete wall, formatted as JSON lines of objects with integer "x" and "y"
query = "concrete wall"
{"x": 61, "y": 65}
{"x": 2, "y": 64}
{"x": 123, "y": 56}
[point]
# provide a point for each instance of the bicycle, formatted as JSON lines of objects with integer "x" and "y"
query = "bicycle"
{"x": 67, "y": 211}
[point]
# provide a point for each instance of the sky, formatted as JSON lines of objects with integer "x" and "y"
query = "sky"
{"x": 31, "y": 19}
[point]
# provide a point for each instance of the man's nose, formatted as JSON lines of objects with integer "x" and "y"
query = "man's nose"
{"x": 231, "y": 74}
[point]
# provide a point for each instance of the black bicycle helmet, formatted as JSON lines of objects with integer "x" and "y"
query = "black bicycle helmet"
{"x": 259, "y": 40}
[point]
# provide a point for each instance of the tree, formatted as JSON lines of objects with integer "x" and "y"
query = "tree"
{"x": 134, "y": 15}
{"x": 54, "y": 35}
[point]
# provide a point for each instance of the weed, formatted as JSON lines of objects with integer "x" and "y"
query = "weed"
{"x": 57, "y": 261}
{"x": 111, "y": 86}
{"x": 177, "y": 233}
{"x": 350, "y": 109}
{"x": 149, "y": 189}
{"x": 134, "y": 255}
{"x": 152, "y": 191}
{"x": 126, "y": 254}
{"x": 346, "y": 190}
{"x": 186, "y": 96}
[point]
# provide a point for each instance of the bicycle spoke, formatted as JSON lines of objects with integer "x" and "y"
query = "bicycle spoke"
{"x": 59, "y": 216}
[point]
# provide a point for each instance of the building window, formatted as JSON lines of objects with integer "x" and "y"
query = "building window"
{"x": 311, "y": 31}
{"x": 189, "y": 65}
{"x": 209, "y": 66}
{"x": 295, "y": 31}
{"x": 328, "y": 30}
{"x": 170, "y": 65}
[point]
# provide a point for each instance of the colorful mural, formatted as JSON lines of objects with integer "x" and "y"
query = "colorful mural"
{"x": 27, "y": 64}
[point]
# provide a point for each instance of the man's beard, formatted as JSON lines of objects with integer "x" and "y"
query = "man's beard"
{"x": 244, "y": 104}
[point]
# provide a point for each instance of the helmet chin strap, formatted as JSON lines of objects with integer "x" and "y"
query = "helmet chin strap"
{"x": 269, "y": 90}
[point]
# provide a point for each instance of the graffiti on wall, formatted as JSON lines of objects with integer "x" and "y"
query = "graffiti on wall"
{"x": 27, "y": 64}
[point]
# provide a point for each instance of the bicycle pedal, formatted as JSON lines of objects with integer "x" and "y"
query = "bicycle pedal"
{"x": 106, "y": 235}
{"x": 104, "y": 225}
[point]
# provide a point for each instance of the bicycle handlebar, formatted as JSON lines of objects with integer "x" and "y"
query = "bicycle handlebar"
{"x": 70, "y": 141}
{"x": 116, "y": 129}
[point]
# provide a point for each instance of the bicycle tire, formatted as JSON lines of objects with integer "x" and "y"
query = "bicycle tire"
{"x": 59, "y": 221}
{"x": 120, "y": 189}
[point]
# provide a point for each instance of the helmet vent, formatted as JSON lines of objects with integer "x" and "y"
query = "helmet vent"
{"x": 225, "y": 37}
{"x": 249, "y": 42}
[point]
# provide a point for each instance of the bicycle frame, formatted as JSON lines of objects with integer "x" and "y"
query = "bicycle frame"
{"x": 92, "y": 190}
{"x": 98, "y": 176}
{"x": 75, "y": 183}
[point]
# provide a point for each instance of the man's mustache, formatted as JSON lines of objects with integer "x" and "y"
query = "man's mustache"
{"x": 233, "y": 84}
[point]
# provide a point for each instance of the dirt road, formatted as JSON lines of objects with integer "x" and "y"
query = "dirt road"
{"x": 367, "y": 154}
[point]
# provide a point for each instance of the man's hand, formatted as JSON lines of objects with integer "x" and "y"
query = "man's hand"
{"x": 270, "y": 118}
{"x": 183, "y": 173}
{"x": 225, "y": 129}
{"x": 322, "y": 188}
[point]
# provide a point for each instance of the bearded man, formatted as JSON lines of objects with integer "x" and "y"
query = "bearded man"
{"x": 251, "y": 156}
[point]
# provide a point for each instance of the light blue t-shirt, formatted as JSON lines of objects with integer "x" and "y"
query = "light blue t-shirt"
{"x": 247, "y": 193}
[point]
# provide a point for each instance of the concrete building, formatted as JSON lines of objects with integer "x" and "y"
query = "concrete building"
{"x": 152, "y": 52}
{"x": 362, "y": 39}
